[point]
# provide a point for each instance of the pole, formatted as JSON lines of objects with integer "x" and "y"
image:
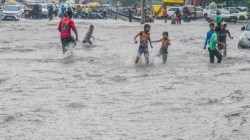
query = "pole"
{"x": 142, "y": 12}
{"x": 116, "y": 9}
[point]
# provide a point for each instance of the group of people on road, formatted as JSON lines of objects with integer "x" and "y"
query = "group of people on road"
{"x": 65, "y": 26}
{"x": 145, "y": 39}
{"x": 215, "y": 39}
{"x": 177, "y": 16}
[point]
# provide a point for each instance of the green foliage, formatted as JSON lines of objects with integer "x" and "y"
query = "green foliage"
{"x": 248, "y": 2}
{"x": 102, "y": 1}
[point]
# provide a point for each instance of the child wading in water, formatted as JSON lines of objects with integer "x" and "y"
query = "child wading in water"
{"x": 164, "y": 48}
{"x": 89, "y": 35}
{"x": 144, "y": 39}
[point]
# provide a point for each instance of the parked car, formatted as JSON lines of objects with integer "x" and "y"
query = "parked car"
{"x": 33, "y": 11}
{"x": 244, "y": 9}
{"x": 212, "y": 6}
{"x": 11, "y": 12}
{"x": 199, "y": 12}
{"x": 241, "y": 14}
{"x": 225, "y": 14}
{"x": 244, "y": 40}
{"x": 206, "y": 11}
{"x": 44, "y": 10}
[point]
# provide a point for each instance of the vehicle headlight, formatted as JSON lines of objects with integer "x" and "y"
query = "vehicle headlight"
{"x": 243, "y": 39}
{"x": 243, "y": 36}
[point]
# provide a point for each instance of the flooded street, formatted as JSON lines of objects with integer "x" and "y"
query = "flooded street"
{"x": 102, "y": 94}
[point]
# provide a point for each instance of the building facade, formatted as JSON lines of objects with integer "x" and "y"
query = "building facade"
{"x": 198, "y": 2}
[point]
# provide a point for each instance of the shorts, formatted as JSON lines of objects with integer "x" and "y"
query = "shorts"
{"x": 164, "y": 51}
{"x": 143, "y": 50}
{"x": 66, "y": 42}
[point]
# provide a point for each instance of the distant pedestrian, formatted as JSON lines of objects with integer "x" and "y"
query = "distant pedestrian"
{"x": 165, "y": 14}
{"x": 70, "y": 9}
{"x": 218, "y": 17}
{"x": 50, "y": 12}
{"x": 63, "y": 11}
{"x": 178, "y": 15}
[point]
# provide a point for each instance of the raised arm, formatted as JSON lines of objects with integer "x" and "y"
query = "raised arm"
{"x": 229, "y": 35}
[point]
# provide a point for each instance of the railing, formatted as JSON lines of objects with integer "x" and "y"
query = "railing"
{"x": 115, "y": 15}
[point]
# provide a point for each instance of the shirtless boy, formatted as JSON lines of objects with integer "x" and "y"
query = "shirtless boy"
{"x": 144, "y": 39}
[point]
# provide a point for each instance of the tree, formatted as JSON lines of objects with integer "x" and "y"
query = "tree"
{"x": 248, "y": 5}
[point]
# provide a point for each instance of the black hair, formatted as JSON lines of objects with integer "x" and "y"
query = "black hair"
{"x": 212, "y": 24}
{"x": 217, "y": 12}
{"x": 165, "y": 33}
{"x": 69, "y": 12}
{"x": 91, "y": 26}
{"x": 146, "y": 25}
{"x": 217, "y": 29}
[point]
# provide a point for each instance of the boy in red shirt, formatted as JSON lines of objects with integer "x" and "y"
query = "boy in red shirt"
{"x": 64, "y": 27}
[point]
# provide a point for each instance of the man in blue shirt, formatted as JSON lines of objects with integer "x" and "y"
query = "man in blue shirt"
{"x": 209, "y": 35}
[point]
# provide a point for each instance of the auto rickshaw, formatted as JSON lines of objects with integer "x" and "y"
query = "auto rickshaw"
{"x": 33, "y": 11}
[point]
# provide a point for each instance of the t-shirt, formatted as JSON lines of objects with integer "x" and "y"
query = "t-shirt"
{"x": 223, "y": 36}
{"x": 218, "y": 19}
{"x": 209, "y": 34}
{"x": 63, "y": 9}
{"x": 165, "y": 12}
{"x": 65, "y": 27}
{"x": 88, "y": 35}
{"x": 213, "y": 39}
